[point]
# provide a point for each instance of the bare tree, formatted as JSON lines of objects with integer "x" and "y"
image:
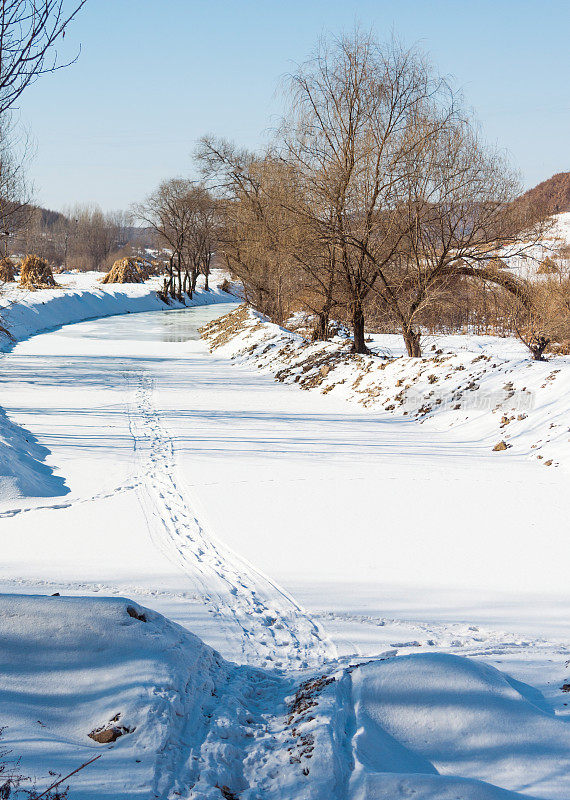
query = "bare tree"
{"x": 204, "y": 233}
{"x": 457, "y": 217}
{"x": 29, "y": 33}
{"x": 170, "y": 212}
{"x": 258, "y": 235}
{"x": 351, "y": 126}
{"x": 397, "y": 180}
{"x": 87, "y": 237}
{"x": 14, "y": 188}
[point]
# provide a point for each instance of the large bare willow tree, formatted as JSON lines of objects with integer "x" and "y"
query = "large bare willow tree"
{"x": 396, "y": 180}
{"x": 350, "y": 130}
{"x": 377, "y": 191}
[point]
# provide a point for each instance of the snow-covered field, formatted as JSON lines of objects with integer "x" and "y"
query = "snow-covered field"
{"x": 386, "y": 595}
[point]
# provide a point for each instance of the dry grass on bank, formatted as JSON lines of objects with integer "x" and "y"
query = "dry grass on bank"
{"x": 7, "y": 270}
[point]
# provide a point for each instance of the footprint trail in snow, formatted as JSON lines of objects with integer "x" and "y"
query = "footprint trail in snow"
{"x": 274, "y": 630}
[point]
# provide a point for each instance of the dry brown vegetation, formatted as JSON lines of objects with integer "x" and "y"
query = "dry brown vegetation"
{"x": 36, "y": 273}
{"x": 553, "y": 195}
{"x": 127, "y": 270}
{"x": 7, "y": 270}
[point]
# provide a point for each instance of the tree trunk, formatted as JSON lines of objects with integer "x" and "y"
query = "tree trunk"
{"x": 358, "y": 345}
{"x": 322, "y": 332}
{"x": 171, "y": 289}
{"x": 412, "y": 340}
{"x": 537, "y": 346}
{"x": 179, "y": 271}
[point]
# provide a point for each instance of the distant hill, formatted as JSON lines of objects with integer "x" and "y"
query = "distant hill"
{"x": 553, "y": 194}
{"x": 48, "y": 217}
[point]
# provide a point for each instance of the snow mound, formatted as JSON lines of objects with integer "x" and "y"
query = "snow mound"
{"x": 22, "y": 471}
{"x": 187, "y": 723}
{"x": 73, "y": 665}
{"x": 439, "y": 716}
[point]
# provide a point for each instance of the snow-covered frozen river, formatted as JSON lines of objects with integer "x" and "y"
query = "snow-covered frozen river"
{"x": 153, "y": 326}
{"x": 164, "y": 456}
{"x": 200, "y": 488}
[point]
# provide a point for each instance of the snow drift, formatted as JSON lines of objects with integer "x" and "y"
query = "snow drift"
{"x": 194, "y": 725}
{"x": 442, "y": 715}
{"x": 73, "y": 665}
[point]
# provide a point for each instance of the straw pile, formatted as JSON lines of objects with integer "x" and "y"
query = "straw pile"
{"x": 497, "y": 263}
{"x": 7, "y": 270}
{"x": 547, "y": 267}
{"x": 127, "y": 270}
{"x": 35, "y": 273}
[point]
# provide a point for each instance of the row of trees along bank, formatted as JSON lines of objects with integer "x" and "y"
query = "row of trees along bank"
{"x": 377, "y": 197}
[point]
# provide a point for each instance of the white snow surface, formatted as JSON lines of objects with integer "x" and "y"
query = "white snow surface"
{"x": 441, "y": 714}
{"x": 427, "y": 657}
{"x": 23, "y": 313}
{"x": 193, "y": 724}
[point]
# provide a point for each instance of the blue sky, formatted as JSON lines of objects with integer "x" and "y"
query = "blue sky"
{"x": 154, "y": 75}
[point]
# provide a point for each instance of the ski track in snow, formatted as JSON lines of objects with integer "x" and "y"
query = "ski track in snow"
{"x": 274, "y": 630}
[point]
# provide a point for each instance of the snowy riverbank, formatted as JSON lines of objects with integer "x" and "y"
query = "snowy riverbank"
{"x": 199, "y": 487}
{"x": 81, "y": 296}
{"x": 483, "y": 387}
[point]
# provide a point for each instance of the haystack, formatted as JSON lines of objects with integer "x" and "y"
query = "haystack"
{"x": 547, "y": 267}
{"x": 127, "y": 270}
{"x": 7, "y": 270}
{"x": 497, "y": 263}
{"x": 35, "y": 273}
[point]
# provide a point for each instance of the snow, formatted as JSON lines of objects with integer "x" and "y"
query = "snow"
{"x": 421, "y": 725}
{"x": 527, "y": 264}
{"x": 441, "y": 714}
{"x": 24, "y": 313}
{"x": 81, "y": 296}
{"x": 484, "y": 388}
{"x": 71, "y": 665}
{"x": 297, "y": 534}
